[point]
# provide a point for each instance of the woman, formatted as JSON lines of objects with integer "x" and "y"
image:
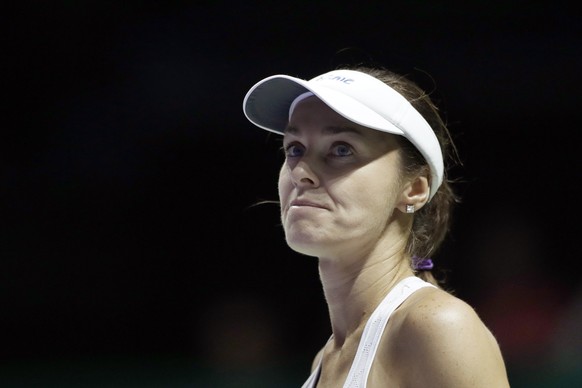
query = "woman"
{"x": 363, "y": 189}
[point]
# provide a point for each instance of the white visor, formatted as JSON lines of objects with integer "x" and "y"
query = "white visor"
{"x": 358, "y": 97}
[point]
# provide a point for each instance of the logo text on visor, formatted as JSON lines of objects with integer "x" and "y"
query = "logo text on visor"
{"x": 345, "y": 80}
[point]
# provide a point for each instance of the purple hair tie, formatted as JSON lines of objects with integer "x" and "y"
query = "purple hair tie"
{"x": 422, "y": 264}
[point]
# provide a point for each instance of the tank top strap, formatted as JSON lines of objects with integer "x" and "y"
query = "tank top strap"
{"x": 358, "y": 375}
{"x": 314, "y": 377}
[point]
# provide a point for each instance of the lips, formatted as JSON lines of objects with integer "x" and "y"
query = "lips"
{"x": 306, "y": 203}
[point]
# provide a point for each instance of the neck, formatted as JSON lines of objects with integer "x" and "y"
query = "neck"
{"x": 353, "y": 291}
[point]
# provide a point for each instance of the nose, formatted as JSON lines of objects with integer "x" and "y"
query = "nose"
{"x": 303, "y": 175}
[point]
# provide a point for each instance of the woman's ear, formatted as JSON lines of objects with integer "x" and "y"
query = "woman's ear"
{"x": 414, "y": 195}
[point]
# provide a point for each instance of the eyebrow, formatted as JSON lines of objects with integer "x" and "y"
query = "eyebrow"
{"x": 328, "y": 130}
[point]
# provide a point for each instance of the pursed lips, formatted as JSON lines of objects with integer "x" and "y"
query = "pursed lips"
{"x": 305, "y": 203}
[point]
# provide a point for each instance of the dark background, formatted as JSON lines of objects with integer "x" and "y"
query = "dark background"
{"x": 131, "y": 254}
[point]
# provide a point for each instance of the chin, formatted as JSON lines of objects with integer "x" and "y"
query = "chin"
{"x": 303, "y": 250}
{"x": 306, "y": 247}
{"x": 307, "y": 237}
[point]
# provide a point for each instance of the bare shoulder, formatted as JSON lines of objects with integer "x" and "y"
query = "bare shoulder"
{"x": 440, "y": 340}
{"x": 432, "y": 312}
{"x": 317, "y": 359}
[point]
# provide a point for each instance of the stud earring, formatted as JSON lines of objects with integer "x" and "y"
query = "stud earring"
{"x": 409, "y": 208}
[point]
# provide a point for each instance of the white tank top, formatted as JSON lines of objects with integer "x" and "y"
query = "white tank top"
{"x": 358, "y": 375}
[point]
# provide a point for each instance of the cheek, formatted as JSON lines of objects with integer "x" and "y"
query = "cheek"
{"x": 371, "y": 201}
{"x": 374, "y": 197}
{"x": 284, "y": 185}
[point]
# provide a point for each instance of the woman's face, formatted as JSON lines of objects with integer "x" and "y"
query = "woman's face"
{"x": 339, "y": 184}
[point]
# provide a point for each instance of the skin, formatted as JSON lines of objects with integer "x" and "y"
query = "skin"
{"x": 343, "y": 197}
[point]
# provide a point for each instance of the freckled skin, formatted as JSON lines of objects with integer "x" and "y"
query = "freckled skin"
{"x": 437, "y": 340}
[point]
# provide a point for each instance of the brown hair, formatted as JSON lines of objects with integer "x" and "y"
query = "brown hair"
{"x": 432, "y": 222}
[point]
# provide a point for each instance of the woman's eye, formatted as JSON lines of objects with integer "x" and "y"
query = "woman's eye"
{"x": 342, "y": 150}
{"x": 293, "y": 150}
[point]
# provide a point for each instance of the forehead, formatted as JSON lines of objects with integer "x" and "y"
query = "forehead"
{"x": 311, "y": 114}
{"x": 312, "y": 109}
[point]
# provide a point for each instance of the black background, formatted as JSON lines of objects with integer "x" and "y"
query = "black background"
{"x": 129, "y": 172}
